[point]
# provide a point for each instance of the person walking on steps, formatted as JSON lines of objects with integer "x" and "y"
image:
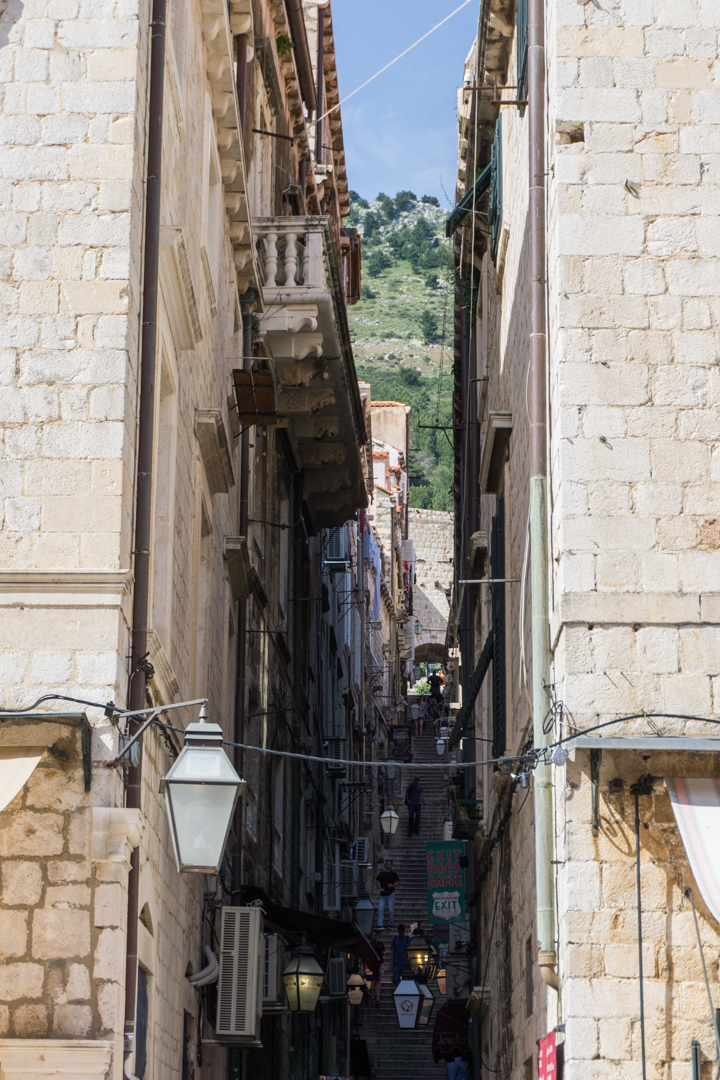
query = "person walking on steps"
{"x": 387, "y": 882}
{"x": 414, "y": 800}
{"x": 375, "y": 981}
{"x": 399, "y": 946}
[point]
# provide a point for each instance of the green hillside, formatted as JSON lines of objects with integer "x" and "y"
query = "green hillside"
{"x": 402, "y": 329}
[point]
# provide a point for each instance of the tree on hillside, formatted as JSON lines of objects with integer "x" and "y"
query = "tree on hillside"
{"x": 387, "y": 205}
{"x": 429, "y": 327}
{"x": 370, "y": 224}
{"x": 405, "y": 200}
{"x": 430, "y": 200}
{"x": 377, "y": 262}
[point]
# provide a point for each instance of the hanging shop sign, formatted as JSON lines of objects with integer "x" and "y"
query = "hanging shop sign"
{"x": 547, "y": 1057}
{"x": 445, "y": 881}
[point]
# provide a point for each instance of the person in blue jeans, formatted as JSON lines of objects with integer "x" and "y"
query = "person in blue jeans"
{"x": 399, "y": 946}
{"x": 415, "y": 800}
{"x": 387, "y": 882}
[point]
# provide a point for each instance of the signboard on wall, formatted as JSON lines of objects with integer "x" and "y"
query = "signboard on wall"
{"x": 547, "y": 1057}
{"x": 445, "y": 881}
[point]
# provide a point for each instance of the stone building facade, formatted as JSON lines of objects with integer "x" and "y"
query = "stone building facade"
{"x": 248, "y": 495}
{"x": 630, "y": 166}
{"x": 431, "y": 532}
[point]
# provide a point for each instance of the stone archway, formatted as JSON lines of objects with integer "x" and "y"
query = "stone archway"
{"x": 432, "y": 652}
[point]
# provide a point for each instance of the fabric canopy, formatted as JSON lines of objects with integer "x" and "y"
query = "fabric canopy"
{"x": 696, "y": 805}
{"x": 451, "y": 1034}
{"x": 16, "y": 767}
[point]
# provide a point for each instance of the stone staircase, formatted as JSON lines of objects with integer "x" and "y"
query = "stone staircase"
{"x": 396, "y": 1054}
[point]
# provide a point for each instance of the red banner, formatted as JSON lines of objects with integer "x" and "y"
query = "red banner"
{"x": 547, "y": 1057}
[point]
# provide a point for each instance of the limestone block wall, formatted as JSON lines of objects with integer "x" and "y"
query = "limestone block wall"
{"x": 432, "y": 533}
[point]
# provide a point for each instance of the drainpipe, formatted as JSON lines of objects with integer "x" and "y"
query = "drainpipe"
{"x": 542, "y": 787}
{"x": 320, "y": 81}
{"x": 241, "y": 81}
{"x": 302, "y": 53}
{"x": 143, "y": 485}
{"x": 240, "y": 658}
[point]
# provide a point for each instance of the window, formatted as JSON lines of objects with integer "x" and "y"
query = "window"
{"x": 212, "y": 209}
{"x": 252, "y": 772}
{"x": 521, "y": 42}
{"x": 164, "y": 523}
{"x": 284, "y": 563}
{"x": 497, "y": 570}
{"x": 278, "y": 815}
{"x": 203, "y": 614}
{"x": 496, "y": 188}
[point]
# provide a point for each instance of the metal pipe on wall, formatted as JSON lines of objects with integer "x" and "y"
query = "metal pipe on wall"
{"x": 241, "y": 80}
{"x": 302, "y": 53}
{"x": 241, "y": 637}
{"x": 544, "y": 884}
{"x": 143, "y": 486}
{"x": 320, "y": 82}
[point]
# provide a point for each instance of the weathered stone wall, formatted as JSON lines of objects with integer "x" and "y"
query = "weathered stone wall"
{"x": 632, "y": 174}
{"x": 432, "y": 534}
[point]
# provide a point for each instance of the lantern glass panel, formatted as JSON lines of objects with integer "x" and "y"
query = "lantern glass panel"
{"x": 407, "y": 1002}
{"x": 365, "y": 915}
{"x": 200, "y": 816}
{"x": 426, "y": 1005}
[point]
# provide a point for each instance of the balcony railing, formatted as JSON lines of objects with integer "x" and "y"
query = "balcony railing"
{"x": 291, "y": 253}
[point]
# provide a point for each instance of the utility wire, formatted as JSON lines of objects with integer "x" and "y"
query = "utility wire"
{"x": 406, "y": 51}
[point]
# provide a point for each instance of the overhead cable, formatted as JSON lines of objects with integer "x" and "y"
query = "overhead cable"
{"x": 406, "y": 51}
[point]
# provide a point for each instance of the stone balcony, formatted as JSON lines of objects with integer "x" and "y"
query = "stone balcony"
{"x": 305, "y": 324}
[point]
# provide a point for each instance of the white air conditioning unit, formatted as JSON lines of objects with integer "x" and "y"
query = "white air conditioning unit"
{"x": 336, "y": 754}
{"x": 362, "y": 850}
{"x": 336, "y": 977}
{"x": 336, "y": 558}
{"x": 240, "y": 982}
{"x": 272, "y": 992}
{"x": 348, "y": 879}
{"x": 459, "y": 982}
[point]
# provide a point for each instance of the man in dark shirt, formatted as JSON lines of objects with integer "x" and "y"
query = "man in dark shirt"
{"x": 415, "y": 800}
{"x": 435, "y": 685}
{"x": 387, "y": 882}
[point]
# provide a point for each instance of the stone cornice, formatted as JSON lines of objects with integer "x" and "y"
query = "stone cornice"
{"x": 116, "y": 830}
{"x": 65, "y": 588}
{"x": 646, "y": 609}
{"x": 29, "y": 1059}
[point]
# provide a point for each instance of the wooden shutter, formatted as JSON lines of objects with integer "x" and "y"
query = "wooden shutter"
{"x": 521, "y": 40}
{"x": 495, "y": 209}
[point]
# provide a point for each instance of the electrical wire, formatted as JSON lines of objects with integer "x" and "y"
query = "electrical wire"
{"x": 399, "y": 57}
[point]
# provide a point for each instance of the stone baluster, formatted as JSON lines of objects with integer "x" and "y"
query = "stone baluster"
{"x": 306, "y": 258}
{"x": 291, "y": 259}
{"x": 271, "y": 258}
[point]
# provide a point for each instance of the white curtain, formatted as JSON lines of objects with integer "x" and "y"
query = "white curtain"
{"x": 696, "y": 805}
{"x": 16, "y": 768}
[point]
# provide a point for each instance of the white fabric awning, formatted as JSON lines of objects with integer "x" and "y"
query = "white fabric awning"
{"x": 16, "y": 767}
{"x": 696, "y": 805}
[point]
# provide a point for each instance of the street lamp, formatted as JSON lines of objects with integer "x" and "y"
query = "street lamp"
{"x": 407, "y": 1002}
{"x": 426, "y": 1005}
{"x": 389, "y": 820}
{"x": 355, "y": 986}
{"x": 391, "y": 768}
{"x": 418, "y": 628}
{"x": 441, "y": 978}
{"x": 364, "y": 914}
{"x": 440, "y": 747}
{"x": 303, "y": 978}
{"x": 200, "y": 792}
{"x": 421, "y": 956}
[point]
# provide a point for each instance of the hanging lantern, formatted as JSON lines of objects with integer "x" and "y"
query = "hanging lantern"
{"x": 200, "y": 792}
{"x": 421, "y": 957}
{"x": 303, "y": 978}
{"x": 355, "y": 986}
{"x": 407, "y": 1002}
{"x": 365, "y": 914}
{"x": 418, "y": 628}
{"x": 441, "y": 978}
{"x": 415, "y": 712}
{"x": 391, "y": 768}
{"x": 389, "y": 820}
{"x": 426, "y": 1005}
{"x": 440, "y": 747}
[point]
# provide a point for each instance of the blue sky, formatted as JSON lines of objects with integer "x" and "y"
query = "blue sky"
{"x": 400, "y": 131}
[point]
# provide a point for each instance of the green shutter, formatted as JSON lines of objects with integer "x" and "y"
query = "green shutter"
{"x": 521, "y": 37}
{"x": 495, "y": 213}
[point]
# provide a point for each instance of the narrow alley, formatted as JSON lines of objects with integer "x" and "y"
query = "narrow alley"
{"x": 396, "y": 1054}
